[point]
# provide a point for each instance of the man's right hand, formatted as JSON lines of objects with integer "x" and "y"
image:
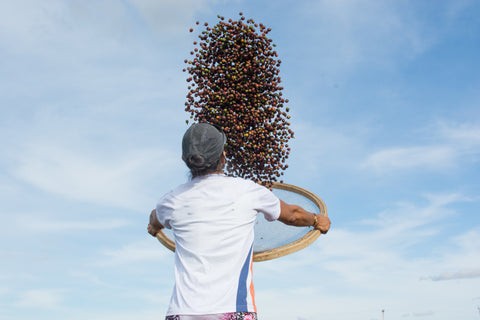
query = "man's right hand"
{"x": 322, "y": 224}
{"x": 294, "y": 215}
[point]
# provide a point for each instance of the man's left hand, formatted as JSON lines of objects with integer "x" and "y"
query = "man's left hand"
{"x": 154, "y": 226}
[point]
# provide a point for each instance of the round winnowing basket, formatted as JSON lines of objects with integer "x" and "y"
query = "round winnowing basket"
{"x": 275, "y": 239}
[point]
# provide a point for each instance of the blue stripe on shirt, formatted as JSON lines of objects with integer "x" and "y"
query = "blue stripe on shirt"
{"x": 242, "y": 292}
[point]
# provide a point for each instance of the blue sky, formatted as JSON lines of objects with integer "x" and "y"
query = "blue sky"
{"x": 385, "y": 105}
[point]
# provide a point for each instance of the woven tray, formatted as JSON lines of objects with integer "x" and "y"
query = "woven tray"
{"x": 282, "y": 250}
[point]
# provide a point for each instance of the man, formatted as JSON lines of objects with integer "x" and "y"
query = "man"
{"x": 212, "y": 217}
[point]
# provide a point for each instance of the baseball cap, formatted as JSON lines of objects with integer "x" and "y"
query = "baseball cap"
{"x": 205, "y": 140}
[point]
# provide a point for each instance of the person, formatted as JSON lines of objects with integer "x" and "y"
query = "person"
{"x": 212, "y": 217}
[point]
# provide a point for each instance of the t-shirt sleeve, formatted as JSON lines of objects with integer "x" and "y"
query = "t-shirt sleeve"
{"x": 266, "y": 202}
{"x": 164, "y": 210}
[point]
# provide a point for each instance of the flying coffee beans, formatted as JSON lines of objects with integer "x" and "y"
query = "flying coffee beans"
{"x": 234, "y": 83}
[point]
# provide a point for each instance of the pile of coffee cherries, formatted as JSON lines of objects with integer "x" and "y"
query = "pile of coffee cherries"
{"x": 234, "y": 83}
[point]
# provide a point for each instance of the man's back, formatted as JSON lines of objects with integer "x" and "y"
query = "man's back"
{"x": 212, "y": 218}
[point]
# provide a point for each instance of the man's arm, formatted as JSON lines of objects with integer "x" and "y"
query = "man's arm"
{"x": 154, "y": 225}
{"x": 297, "y": 216}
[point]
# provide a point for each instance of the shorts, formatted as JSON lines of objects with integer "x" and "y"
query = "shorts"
{"x": 216, "y": 316}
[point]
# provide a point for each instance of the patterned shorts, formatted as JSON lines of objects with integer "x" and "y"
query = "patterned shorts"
{"x": 217, "y": 316}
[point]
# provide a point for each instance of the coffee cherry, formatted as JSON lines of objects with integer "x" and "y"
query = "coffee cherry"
{"x": 234, "y": 84}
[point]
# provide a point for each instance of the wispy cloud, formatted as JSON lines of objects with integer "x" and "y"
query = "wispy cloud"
{"x": 454, "y": 144}
{"x": 373, "y": 33}
{"x": 411, "y": 157}
{"x": 91, "y": 128}
{"x": 29, "y": 25}
{"x": 397, "y": 231}
{"x": 89, "y": 176}
{"x": 321, "y": 149}
{"x": 170, "y": 17}
{"x": 379, "y": 256}
{"x": 40, "y": 298}
{"x": 380, "y": 35}
{"x": 466, "y": 136}
{"x": 463, "y": 274}
{"x": 35, "y": 224}
{"x": 67, "y": 26}
{"x": 141, "y": 251}
{"x": 91, "y": 99}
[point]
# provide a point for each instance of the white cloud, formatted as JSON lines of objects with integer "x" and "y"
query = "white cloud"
{"x": 320, "y": 149}
{"x": 356, "y": 33}
{"x": 90, "y": 100}
{"x": 342, "y": 152}
{"x": 370, "y": 32}
{"x": 411, "y": 157}
{"x": 141, "y": 251}
{"x": 36, "y": 224}
{"x": 466, "y": 136}
{"x": 40, "y": 298}
{"x": 375, "y": 265}
{"x": 116, "y": 180}
{"x": 170, "y": 17}
{"x": 454, "y": 144}
{"x": 349, "y": 273}
{"x": 397, "y": 232}
{"x": 43, "y": 28}
{"x": 27, "y": 25}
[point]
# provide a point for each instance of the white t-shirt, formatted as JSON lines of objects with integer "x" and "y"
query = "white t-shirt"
{"x": 212, "y": 218}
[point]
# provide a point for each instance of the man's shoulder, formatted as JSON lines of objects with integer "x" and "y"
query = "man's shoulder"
{"x": 178, "y": 190}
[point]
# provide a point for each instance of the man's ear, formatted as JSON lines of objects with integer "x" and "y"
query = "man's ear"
{"x": 183, "y": 158}
{"x": 223, "y": 158}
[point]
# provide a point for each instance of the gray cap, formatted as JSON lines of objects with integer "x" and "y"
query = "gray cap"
{"x": 205, "y": 140}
